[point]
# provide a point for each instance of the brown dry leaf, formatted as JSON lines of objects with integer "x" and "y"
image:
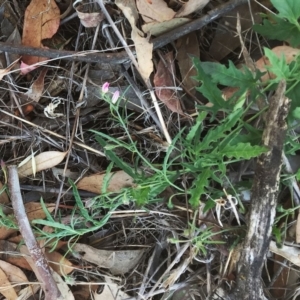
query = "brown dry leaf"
{"x": 118, "y": 262}
{"x": 59, "y": 263}
{"x": 226, "y": 40}
{"x": 163, "y": 83}
{"x": 41, "y": 22}
{"x": 3, "y": 195}
{"x": 186, "y": 46}
{"x": 290, "y": 253}
{"x": 118, "y": 181}
{"x": 43, "y": 161}
{"x": 28, "y": 292}
{"x": 158, "y": 28}
{"x": 6, "y": 289}
{"x": 89, "y": 20}
{"x": 64, "y": 289}
{"x": 142, "y": 46}
{"x": 35, "y": 211}
{"x": 10, "y": 253}
{"x": 128, "y": 7}
{"x": 35, "y": 92}
{"x": 156, "y": 10}
{"x": 190, "y": 7}
{"x": 144, "y": 54}
{"x": 14, "y": 274}
{"x": 111, "y": 291}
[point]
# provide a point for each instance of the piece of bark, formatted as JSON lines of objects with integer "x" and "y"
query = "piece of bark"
{"x": 263, "y": 202}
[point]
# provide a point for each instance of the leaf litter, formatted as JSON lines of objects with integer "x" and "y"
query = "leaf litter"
{"x": 122, "y": 208}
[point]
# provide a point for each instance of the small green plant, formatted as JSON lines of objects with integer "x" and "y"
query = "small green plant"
{"x": 283, "y": 26}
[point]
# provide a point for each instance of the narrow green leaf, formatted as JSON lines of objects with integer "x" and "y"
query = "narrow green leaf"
{"x": 83, "y": 211}
{"x": 242, "y": 150}
{"x": 196, "y": 127}
{"x": 200, "y": 183}
{"x": 113, "y": 157}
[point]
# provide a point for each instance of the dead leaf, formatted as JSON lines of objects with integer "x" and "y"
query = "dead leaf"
{"x": 191, "y": 7}
{"x": 118, "y": 262}
{"x": 29, "y": 291}
{"x": 143, "y": 47}
{"x": 158, "y": 28}
{"x": 144, "y": 54}
{"x": 43, "y": 161}
{"x": 35, "y": 211}
{"x": 14, "y": 274}
{"x": 64, "y": 289}
{"x": 10, "y": 253}
{"x": 163, "y": 83}
{"x": 226, "y": 40}
{"x": 41, "y": 22}
{"x": 156, "y": 10}
{"x": 111, "y": 291}
{"x": 187, "y": 46}
{"x": 59, "y": 263}
{"x": 89, "y": 20}
{"x": 35, "y": 92}
{"x": 290, "y": 253}
{"x": 6, "y": 289}
{"x": 118, "y": 181}
{"x": 128, "y": 7}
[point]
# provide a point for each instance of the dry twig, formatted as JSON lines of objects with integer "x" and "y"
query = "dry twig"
{"x": 43, "y": 272}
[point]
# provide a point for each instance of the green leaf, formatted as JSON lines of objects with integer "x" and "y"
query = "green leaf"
{"x": 113, "y": 157}
{"x": 296, "y": 113}
{"x": 209, "y": 205}
{"x": 242, "y": 150}
{"x": 276, "y": 28}
{"x": 200, "y": 183}
{"x": 84, "y": 212}
{"x": 197, "y": 127}
{"x": 289, "y": 9}
{"x": 277, "y": 65}
{"x": 230, "y": 76}
{"x": 209, "y": 89}
{"x": 219, "y": 132}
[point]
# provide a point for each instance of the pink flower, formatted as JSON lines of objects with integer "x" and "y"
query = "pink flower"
{"x": 115, "y": 97}
{"x": 105, "y": 87}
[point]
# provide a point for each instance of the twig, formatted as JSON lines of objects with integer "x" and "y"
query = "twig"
{"x": 85, "y": 56}
{"x": 43, "y": 271}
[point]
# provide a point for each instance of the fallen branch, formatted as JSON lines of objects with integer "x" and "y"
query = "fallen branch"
{"x": 43, "y": 272}
{"x": 263, "y": 202}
